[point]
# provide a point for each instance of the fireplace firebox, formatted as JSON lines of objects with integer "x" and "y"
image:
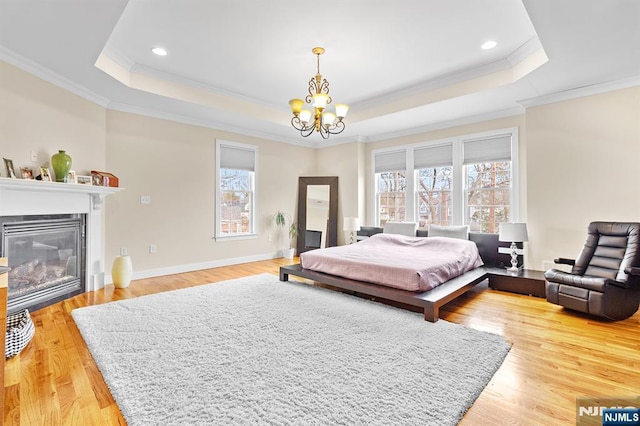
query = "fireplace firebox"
{"x": 46, "y": 255}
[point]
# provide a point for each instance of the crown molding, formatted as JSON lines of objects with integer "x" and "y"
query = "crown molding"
{"x": 209, "y": 124}
{"x": 50, "y": 76}
{"x": 494, "y": 115}
{"x": 594, "y": 89}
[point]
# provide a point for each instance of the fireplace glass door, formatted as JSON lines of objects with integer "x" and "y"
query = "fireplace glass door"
{"x": 46, "y": 257}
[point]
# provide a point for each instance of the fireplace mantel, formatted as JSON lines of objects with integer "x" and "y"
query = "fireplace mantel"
{"x": 33, "y": 197}
{"x": 97, "y": 193}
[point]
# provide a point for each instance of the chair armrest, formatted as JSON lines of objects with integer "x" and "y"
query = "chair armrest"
{"x": 632, "y": 270}
{"x": 626, "y": 285}
{"x": 564, "y": 261}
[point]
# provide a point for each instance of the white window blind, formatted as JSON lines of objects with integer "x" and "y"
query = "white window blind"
{"x": 236, "y": 158}
{"x": 488, "y": 150}
{"x": 433, "y": 156}
{"x": 390, "y": 161}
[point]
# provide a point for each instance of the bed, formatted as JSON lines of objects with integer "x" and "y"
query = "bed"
{"x": 427, "y": 296}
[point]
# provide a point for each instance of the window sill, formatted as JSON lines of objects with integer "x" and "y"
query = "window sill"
{"x": 236, "y": 237}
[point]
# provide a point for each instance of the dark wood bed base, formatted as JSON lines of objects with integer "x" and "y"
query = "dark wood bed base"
{"x": 430, "y": 301}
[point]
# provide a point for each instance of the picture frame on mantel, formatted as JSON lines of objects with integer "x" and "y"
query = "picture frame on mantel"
{"x": 72, "y": 177}
{"x": 83, "y": 180}
{"x": 45, "y": 175}
{"x": 26, "y": 172}
{"x": 9, "y": 166}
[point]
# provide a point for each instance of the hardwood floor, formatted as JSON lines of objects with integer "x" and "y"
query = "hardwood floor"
{"x": 556, "y": 357}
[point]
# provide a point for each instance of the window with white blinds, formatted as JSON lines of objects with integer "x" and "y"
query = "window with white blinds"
{"x": 235, "y": 195}
{"x": 470, "y": 179}
{"x": 487, "y": 150}
{"x": 433, "y": 170}
{"x": 391, "y": 186}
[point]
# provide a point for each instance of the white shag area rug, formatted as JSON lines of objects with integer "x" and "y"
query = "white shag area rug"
{"x": 259, "y": 351}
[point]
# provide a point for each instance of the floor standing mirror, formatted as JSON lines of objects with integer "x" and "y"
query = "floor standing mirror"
{"x": 317, "y": 212}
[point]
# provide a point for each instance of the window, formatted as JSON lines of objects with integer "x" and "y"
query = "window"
{"x": 434, "y": 183}
{"x": 391, "y": 186}
{"x": 488, "y": 195}
{"x": 236, "y": 190}
{"x": 487, "y": 168}
{"x": 434, "y": 196}
{"x": 466, "y": 180}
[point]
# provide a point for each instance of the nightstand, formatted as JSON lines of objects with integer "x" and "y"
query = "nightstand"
{"x": 525, "y": 281}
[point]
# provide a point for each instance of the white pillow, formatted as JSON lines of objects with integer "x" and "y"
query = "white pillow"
{"x": 402, "y": 228}
{"x": 461, "y": 232}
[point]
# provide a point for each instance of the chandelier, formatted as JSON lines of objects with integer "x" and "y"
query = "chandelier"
{"x": 320, "y": 120}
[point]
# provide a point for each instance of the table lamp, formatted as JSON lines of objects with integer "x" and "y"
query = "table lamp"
{"x": 514, "y": 233}
{"x": 351, "y": 225}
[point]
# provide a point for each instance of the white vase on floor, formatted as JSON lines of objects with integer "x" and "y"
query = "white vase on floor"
{"x": 288, "y": 253}
{"x": 122, "y": 271}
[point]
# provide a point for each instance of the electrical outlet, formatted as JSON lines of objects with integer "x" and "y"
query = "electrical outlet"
{"x": 123, "y": 251}
{"x": 145, "y": 199}
{"x": 152, "y": 248}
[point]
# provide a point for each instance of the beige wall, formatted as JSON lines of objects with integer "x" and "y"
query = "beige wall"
{"x": 37, "y": 116}
{"x": 174, "y": 164}
{"x": 583, "y": 156}
{"x": 347, "y": 162}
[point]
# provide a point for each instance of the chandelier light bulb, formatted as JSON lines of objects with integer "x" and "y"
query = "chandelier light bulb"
{"x": 305, "y": 116}
{"x": 328, "y": 118}
{"x": 320, "y": 100}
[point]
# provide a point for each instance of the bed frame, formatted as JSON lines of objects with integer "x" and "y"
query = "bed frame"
{"x": 430, "y": 301}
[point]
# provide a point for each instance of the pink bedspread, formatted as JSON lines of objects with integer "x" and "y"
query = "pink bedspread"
{"x": 408, "y": 263}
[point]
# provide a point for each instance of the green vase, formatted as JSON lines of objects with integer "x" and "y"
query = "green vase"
{"x": 61, "y": 163}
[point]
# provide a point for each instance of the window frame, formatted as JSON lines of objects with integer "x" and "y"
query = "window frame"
{"x": 458, "y": 190}
{"x": 253, "y": 234}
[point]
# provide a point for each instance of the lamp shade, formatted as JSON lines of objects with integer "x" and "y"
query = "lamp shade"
{"x": 351, "y": 224}
{"x": 296, "y": 105}
{"x": 320, "y": 100}
{"x": 513, "y": 232}
{"x": 328, "y": 118}
{"x": 341, "y": 110}
{"x": 305, "y": 115}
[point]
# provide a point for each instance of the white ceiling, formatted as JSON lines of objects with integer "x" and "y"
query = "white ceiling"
{"x": 403, "y": 67}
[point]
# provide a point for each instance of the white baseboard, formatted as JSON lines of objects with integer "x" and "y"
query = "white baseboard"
{"x": 179, "y": 269}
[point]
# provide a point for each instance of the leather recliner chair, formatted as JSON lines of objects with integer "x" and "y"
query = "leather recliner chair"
{"x": 605, "y": 278}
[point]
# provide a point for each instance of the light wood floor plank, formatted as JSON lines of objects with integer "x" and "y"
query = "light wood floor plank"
{"x": 556, "y": 357}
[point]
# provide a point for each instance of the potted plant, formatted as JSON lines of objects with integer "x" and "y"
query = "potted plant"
{"x": 293, "y": 232}
{"x": 281, "y": 219}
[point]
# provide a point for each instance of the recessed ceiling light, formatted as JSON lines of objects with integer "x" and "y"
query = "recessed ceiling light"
{"x": 160, "y": 51}
{"x": 489, "y": 44}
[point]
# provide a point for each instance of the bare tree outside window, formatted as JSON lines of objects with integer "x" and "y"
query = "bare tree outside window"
{"x": 434, "y": 196}
{"x": 391, "y": 196}
{"x": 236, "y": 188}
{"x": 488, "y": 194}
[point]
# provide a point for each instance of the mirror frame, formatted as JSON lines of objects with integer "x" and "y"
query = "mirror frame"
{"x": 332, "y": 231}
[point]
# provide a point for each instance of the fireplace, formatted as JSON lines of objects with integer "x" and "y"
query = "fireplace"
{"x": 47, "y": 258}
{"x": 79, "y": 209}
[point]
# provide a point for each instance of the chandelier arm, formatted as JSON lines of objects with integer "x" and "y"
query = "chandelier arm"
{"x": 296, "y": 123}
{"x": 324, "y": 87}
{"x": 334, "y": 129}
{"x": 324, "y": 132}
{"x": 307, "y": 131}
